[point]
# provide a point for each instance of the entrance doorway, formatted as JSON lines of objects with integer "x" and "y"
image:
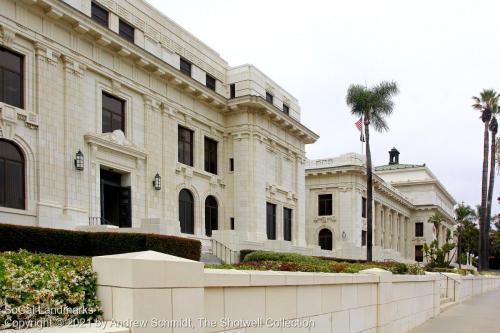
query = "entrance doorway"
{"x": 116, "y": 204}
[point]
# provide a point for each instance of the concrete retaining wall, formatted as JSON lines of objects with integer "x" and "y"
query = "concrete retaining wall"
{"x": 149, "y": 289}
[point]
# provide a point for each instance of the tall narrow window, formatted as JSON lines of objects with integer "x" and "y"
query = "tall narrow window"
{"x": 100, "y": 15}
{"x": 11, "y": 78}
{"x": 211, "y": 215}
{"x": 113, "y": 113}
{"x": 12, "y": 177}
{"x": 185, "y": 146}
{"x": 287, "y": 224}
{"x": 269, "y": 97}
{"x": 126, "y": 31}
{"x": 185, "y": 67}
{"x": 419, "y": 229}
{"x": 324, "y": 204}
{"x": 271, "y": 220}
{"x": 231, "y": 164}
{"x": 232, "y": 91}
{"x": 419, "y": 253}
{"x": 286, "y": 109}
{"x": 325, "y": 240}
{"x": 363, "y": 207}
{"x": 186, "y": 211}
{"x": 210, "y": 82}
{"x": 363, "y": 237}
{"x": 211, "y": 156}
{"x": 231, "y": 220}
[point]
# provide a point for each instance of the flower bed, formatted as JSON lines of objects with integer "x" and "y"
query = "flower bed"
{"x": 276, "y": 261}
{"x": 40, "y": 290}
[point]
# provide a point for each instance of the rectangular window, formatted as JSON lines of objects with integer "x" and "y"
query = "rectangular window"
{"x": 269, "y": 98}
{"x": 232, "y": 223}
{"x": 126, "y": 31}
{"x": 185, "y": 146}
{"x": 271, "y": 220}
{"x": 185, "y": 67}
{"x": 113, "y": 113}
{"x": 419, "y": 253}
{"x": 210, "y": 82}
{"x": 231, "y": 164}
{"x": 363, "y": 237}
{"x": 287, "y": 224}
{"x": 11, "y": 78}
{"x": 100, "y": 15}
{"x": 363, "y": 207}
{"x": 286, "y": 109}
{"x": 419, "y": 229}
{"x": 232, "y": 91}
{"x": 324, "y": 204}
{"x": 211, "y": 156}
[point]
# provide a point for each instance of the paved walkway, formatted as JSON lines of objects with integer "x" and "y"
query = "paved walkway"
{"x": 480, "y": 314}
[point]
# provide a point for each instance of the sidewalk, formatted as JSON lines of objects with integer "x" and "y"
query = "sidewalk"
{"x": 480, "y": 314}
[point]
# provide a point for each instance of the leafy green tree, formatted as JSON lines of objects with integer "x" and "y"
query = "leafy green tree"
{"x": 436, "y": 220}
{"x": 486, "y": 103}
{"x": 465, "y": 217}
{"x": 373, "y": 105}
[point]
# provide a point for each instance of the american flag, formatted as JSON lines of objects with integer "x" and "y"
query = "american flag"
{"x": 359, "y": 126}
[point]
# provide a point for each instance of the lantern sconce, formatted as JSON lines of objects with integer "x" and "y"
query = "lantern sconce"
{"x": 79, "y": 160}
{"x": 157, "y": 182}
{"x": 344, "y": 236}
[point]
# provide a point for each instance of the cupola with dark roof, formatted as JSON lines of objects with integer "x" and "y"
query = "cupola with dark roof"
{"x": 393, "y": 156}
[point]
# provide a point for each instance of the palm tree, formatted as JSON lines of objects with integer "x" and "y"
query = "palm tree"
{"x": 436, "y": 220}
{"x": 463, "y": 214}
{"x": 485, "y": 103}
{"x": 493, "y": 126}
{"x": 373, "y": 105}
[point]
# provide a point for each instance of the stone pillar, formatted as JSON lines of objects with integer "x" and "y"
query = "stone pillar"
{"x": 377, "y": 231}
{"x": 148, "y": 286}
{"x": 387, "y": 231}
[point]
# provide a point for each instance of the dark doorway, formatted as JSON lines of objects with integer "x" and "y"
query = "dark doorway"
{"x": 271, "y": 221}
{"x": 116, "y": 204}
{"x": 211, "y": 215}
{"x": 325, "y": 239}
{"x": 186, "y": 211}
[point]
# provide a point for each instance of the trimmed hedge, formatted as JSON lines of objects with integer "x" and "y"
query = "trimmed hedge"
{"x": 81, "y": 243}
{"x": 243, "y": 254}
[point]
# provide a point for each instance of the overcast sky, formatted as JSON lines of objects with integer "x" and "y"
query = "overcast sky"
{"x": 440, "y": 53}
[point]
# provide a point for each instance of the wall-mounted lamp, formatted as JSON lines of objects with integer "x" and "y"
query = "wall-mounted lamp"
{"x": 79, "y": 161}
{"x": 157, "y": 182}
{"x": 344, "y": 236}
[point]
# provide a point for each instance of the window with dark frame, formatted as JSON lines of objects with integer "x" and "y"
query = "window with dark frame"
{"x": 325, "y": 204}
{"x": 232, "y": 223}
{"x": 185, "y": 67}
{"x": 232, "y": 91}
{"x": 113, "y": 113}
{"x": 231, "y": 164}
{"x": 126, "y": 31}
{"x": 11, "y": 78}
{"x": 12, "y": 175}
{"x": 186, "y": 211}
{"x": 363, "y": 237}
{"x": 269, "y": 97}
{"x": 210, "y": 155}
{"x": 287, "y": 224}
{"x": 210, "y": 82}
{"x": 325, "y": 239}
{"x": 419, "y": 229}
{"x": 363, "y": 207}
{"x": 99, "y": 14}
{"x": 419, "y": 253}
{"x": 185, "y": 146}
{"x": 286, "y": 109}
{"x": 271, "y": 220}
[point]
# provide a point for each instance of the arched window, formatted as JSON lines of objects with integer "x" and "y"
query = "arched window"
{"x": 211, "y": 215}
{"x": 186, "y": 211}
{"x": 11, "y": 175}
{"x": 325, "y": 239}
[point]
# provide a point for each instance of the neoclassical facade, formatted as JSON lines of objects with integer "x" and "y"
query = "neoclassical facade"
{"x": 113, "y": 115}
{"x": 405, "y": 196}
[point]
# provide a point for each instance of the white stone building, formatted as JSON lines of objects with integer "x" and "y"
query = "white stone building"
{"x": 405, "y": 196}
{"x": 100, "y": 97}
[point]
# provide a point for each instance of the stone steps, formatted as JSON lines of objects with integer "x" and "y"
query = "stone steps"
{"x": 209, "y": 258}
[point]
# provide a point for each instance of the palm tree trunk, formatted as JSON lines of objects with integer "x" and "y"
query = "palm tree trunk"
{"x": 490, "y": 197}
{"x": 369, "y": 195}
{"x": 484, "y": 194}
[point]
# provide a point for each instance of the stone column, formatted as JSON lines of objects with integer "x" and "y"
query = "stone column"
{"x": 387, "y": 231}
{"x": 377, "y": 231}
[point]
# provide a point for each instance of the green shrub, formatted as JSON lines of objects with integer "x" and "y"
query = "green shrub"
{"x": 415, "y": 269}
{"x": 48, "y": 287}
{"x": 243, "y": 254}
{"x": 281, "y": 256}
{"x": 79, "y": 243}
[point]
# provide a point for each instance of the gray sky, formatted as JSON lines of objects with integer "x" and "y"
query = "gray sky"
{"x": 440, "y": 53}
